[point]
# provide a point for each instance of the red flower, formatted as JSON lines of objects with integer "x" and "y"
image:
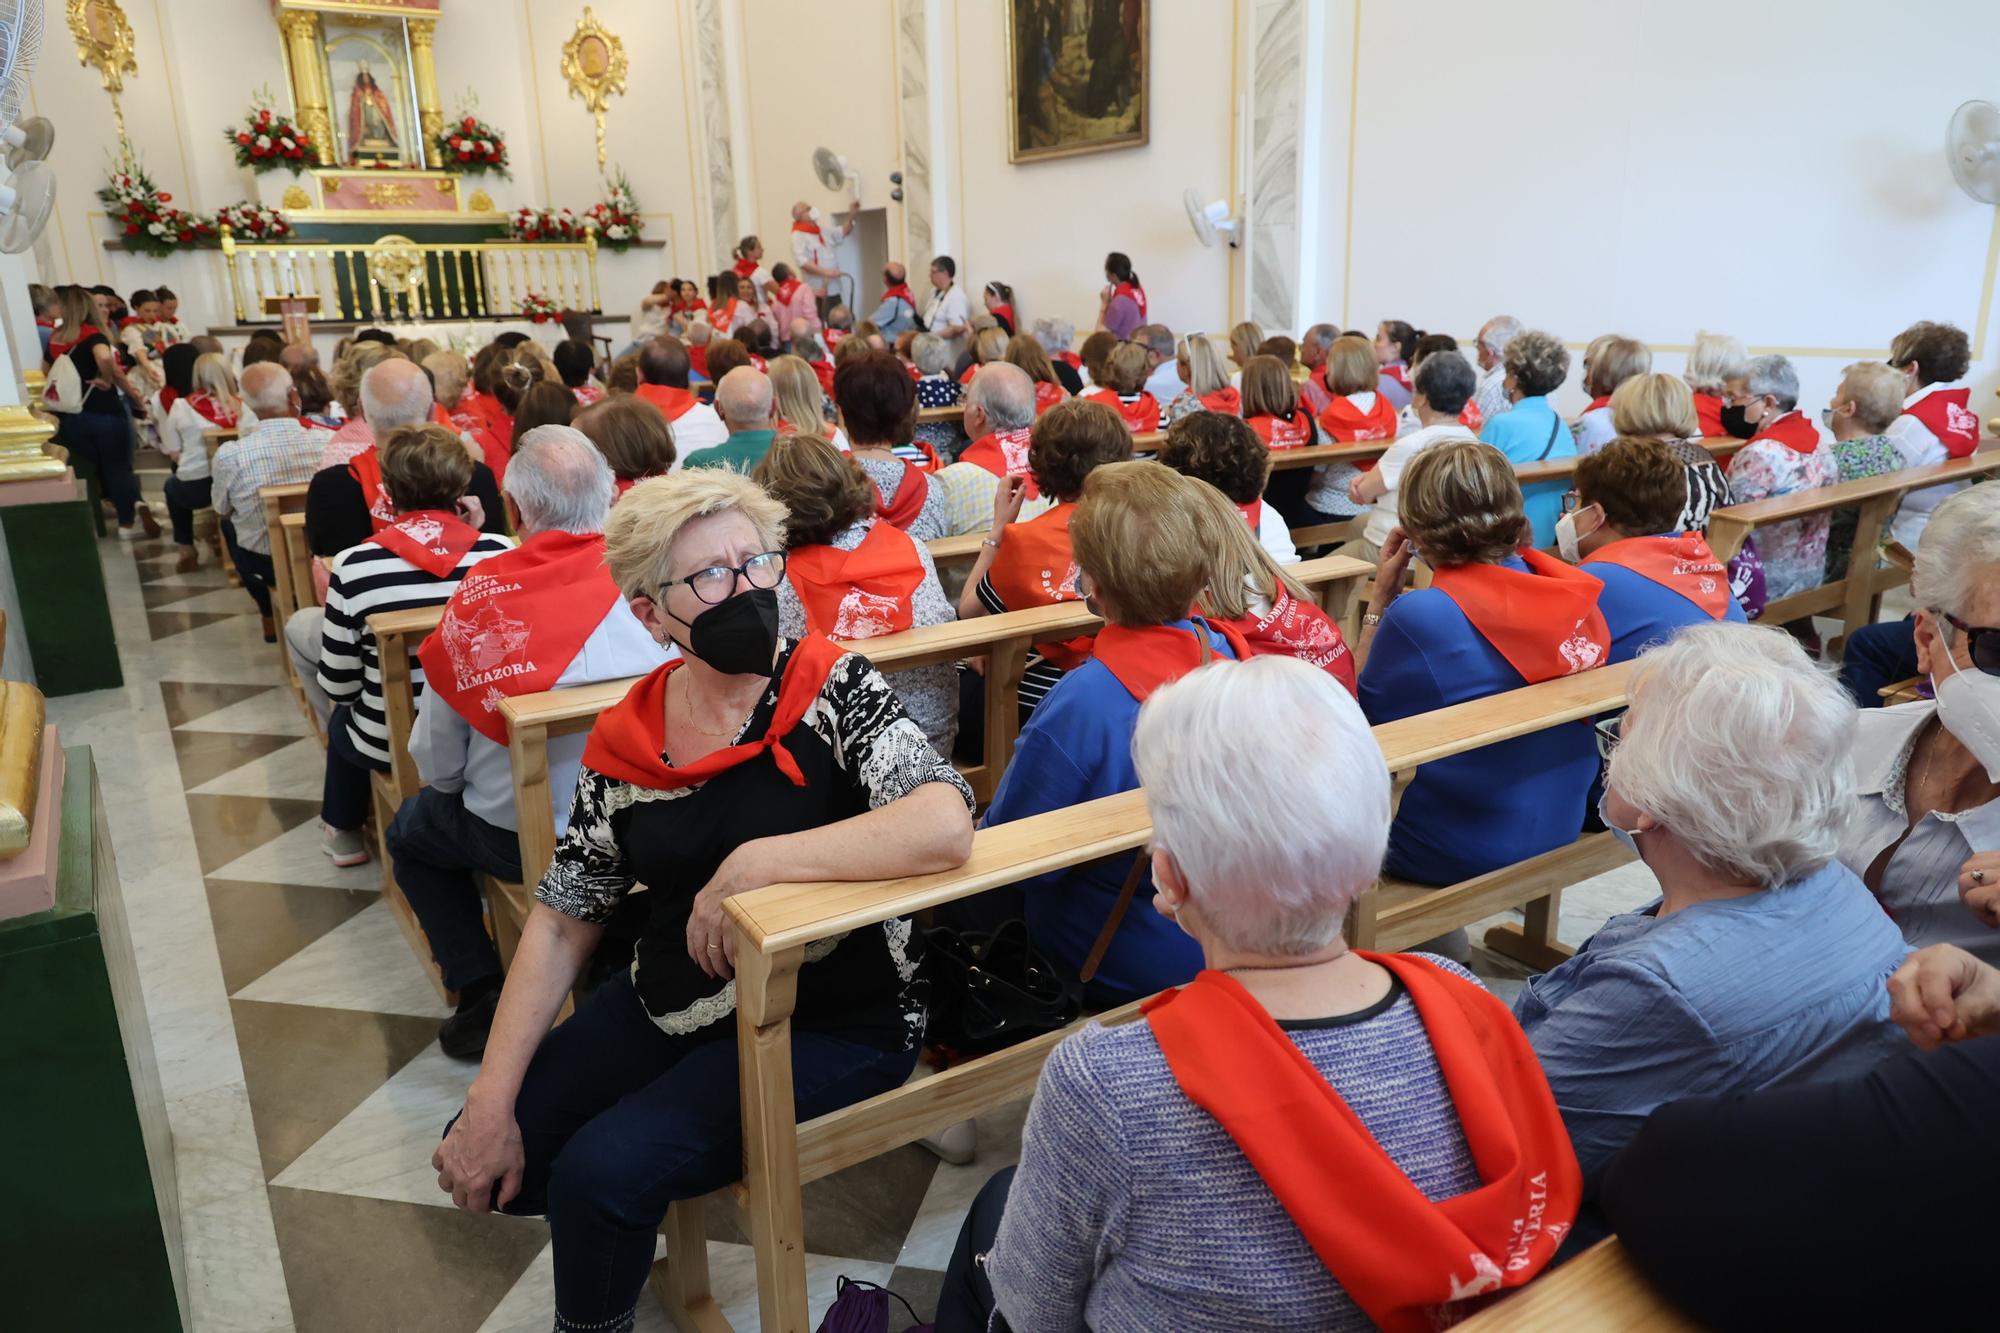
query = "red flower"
{"x": 187, "y": 235}
{"x": 131, "y": 229}
{"x": 243, "y": 138}
{"x": 264, "y": 116}
{"x": 166, "y": 198}
{"x": 470, "y": 124}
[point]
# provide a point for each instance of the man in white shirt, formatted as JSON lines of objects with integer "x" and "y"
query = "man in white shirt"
{"x": 812, "y": 248}
{"x": 664, "y": 366}
{"x": 1163, "y": 380}
{"x": 279, "y": 452}
{"x": 947, "y": 315}
{"x": 1438, "y": 392}
{"x": 488, "y": 645}
{"x": 1494, "y": 335}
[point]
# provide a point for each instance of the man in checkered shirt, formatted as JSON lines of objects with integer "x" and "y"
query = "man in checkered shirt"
{"x": 281, "y": 451}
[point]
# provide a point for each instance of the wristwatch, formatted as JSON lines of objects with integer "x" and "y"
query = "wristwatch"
{"x": 1370, "y": 619}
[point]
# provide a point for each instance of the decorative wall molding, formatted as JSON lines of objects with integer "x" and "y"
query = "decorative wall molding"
{"x": 913, "y": 114}
{"x": 1277, "y": 91}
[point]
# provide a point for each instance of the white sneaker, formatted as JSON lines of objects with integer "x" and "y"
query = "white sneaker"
{"x": 955, "y": 1145}
{"x": 346, "y": 846}
{"x": 130, "y": 534}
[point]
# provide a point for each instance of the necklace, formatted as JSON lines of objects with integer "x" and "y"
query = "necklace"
{"x": 687, "y": 706}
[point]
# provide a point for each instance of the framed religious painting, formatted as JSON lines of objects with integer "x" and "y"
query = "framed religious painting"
{"x": 1076, "y": 76}
{"x": 372, "y": 90}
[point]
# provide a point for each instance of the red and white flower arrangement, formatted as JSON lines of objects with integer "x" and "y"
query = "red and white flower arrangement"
{"x": 267, "y": 140}
{"x": 473, "y": 147}
{"x": 540, "y": 309}
{"x": 253, "y": 222}
{"x": 615, "y": 218}
{"x": 145, "y": 215}
{"x": 550, "y": 226}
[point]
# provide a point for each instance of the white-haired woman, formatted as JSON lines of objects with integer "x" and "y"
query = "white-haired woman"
{"x": 1712, "y": 361}
{"x": 1764, "y": 958}
{"x": 1925, "y": 832}
{"x": 752, "y": 759}
{"x": 1207, "y": 378}
{"x": 1783, "y": 455}
{"x": 1146, "y": 1145}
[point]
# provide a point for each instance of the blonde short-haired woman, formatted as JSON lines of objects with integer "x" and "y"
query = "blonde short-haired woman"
{"x": 749, "y": 760}
{"x": 1207, "y": 378}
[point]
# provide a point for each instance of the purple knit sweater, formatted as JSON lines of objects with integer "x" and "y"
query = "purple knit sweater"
{"x": 1133, "y": 1211}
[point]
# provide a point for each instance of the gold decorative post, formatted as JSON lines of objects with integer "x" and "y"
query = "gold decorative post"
{"x": 301, "y": 30}
{"x": 22, "y": 435}
{"x": 104, "y": 41}
{"x": 594, "y": 64}
{"x": 429, "y": 112}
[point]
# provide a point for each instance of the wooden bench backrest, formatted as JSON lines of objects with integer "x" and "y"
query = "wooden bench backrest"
{"x": 293, "y": 557}
{"x": 1728, "y": 527}
{"x": 787, "y": 916}
{"x": 398, "y": 635}
{"x": 278, "y": 502}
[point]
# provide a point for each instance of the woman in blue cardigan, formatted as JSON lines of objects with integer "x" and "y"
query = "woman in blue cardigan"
{"x": 1498, "y": 615}
{"x": 1532, "y": 430}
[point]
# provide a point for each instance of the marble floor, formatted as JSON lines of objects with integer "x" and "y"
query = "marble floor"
{"x": 296, "y": 1033}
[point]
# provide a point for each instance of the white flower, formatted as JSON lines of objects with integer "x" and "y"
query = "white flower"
{"x": 157, "y": 229}
{"x": 618, "y": 231}
{"x": 484, "y": 146}
{"x": 263, "y": 141}
{"x": 287, "y": 144}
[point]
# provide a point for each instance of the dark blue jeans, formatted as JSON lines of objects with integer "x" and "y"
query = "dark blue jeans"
{"x": 965, "y": 1300}
{"x": 437, "y": 846}
{"x": 1878, "y": 655}
{"x": 103, "y": 442}
{"x": 183, "y": 498}
{"x": 619, "y": 1118}
{"x": 259, "y": 575}
{"x": 344, "y": 799}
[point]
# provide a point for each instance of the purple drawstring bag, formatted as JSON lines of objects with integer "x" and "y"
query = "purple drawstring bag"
{"x": 863, "y": 1307}
{"x": 1746, "y": 579}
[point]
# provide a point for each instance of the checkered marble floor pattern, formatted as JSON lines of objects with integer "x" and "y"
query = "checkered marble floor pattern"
{"x": 296, "y": 1034}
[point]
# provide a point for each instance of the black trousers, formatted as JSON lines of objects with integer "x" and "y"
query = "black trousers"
{"x": 965, "y": 1302}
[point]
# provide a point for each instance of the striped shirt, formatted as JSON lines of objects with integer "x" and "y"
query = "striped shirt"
{"x": 1041, "y": 676}
{"x": 280, "y": 452}
{"x": 364, "y": 581}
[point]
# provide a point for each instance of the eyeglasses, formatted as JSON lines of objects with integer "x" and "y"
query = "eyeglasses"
{"x": 717, "y": 583}
{"x": 1572, "y": 501}
{"x": 1608, "y": 729}
{"x": 1982, "y": 641}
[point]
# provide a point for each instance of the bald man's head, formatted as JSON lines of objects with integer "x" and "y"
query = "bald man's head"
{"x": 1004, "y": 395}
{"x": 395, "y": 393}
{"x": 744, "y": 399}
{"x": 267, "y": 387}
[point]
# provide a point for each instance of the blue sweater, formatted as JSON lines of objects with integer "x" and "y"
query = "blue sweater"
{"x": 1640, "y": 613}
{"x": 1077, "y": 747}
{"x": 1491, "y": 807}
{"x": 1527, "y": 433}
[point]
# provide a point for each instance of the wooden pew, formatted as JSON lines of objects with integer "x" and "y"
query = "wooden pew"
{"x": 774, "y": 925}
{"x": 1599, "y": 1291}
{"x": 1900, "y": 692}
{"x": 1856, "y": 598}
{"x": 282, "y": 503}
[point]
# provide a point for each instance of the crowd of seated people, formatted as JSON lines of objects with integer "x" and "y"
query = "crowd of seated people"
{"x": 744, "y": 488}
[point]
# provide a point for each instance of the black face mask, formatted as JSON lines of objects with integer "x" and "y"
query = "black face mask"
{"x": 738, "y": 637}
{"x": 1734, "y": 423}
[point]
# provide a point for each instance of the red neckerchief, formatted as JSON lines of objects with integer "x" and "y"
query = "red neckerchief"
{"x": 787, "y": 289}
{"x": 1343, "y": 421}
{"x": 1399, "y": 372}
{"x": 1047, "y": 395}
{"x": 1297, "y": 629}
{"x": 673, "y": 403}
{"x": 907, "y": 504}
{"x": 515, "y": 623}
{"x": 629, "y": 742}
{"x": 823, "y": 371}
{"x": 128, "y": 321}
{"x": 745, "y": 267}
{"x": 442, "y": 417}
{"x": 366, "y": 468}
{"x": 44, "y": 323}
{"x": 1596, "y": 403}
{"x": 1070, "y": 359}
{"x": 971, "y": 370}
{"x": 433, "y": 540}
{"x": 1791, "y": 430}
{"x": 698, "y": 358}
{"x": 1036, "y": 567}
{"x": 169, "y": 395}
{"x": 1136, "y": 295}
{"x": 1226, "y": 400}
{"x": 1004, "y": 454}
{"x": 859, "y": 594}
{"x": 1708, "y": 416}
{"x": 214, "y": 413}
{"x": 1471, "y": 418}
{"x": 1146, "y": 657}
{"x": 810, "y": 228}
{"x": 1293, "y": 432}
{"x": 1544, "y": 621}
{"x": 1140, "y": 411}
{"x": 1253, "y": 513}
{"x": 1943, "y": 413}
{"x": 833, "y": 337}
{"x": 900, "y": 292}
{"x": 1680, "y": 562}
{"x": 1399, "y": 1255}
{"x": 1004, "y": 313}
{"x": 724, "y": 315}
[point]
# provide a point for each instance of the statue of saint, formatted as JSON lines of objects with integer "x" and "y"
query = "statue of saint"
{"x": 371, "y": 124}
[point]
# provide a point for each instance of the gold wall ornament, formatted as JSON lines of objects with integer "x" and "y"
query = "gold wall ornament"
{"x": 594, "y": 64}
{"x": 481, "y": 202}
{"x": 22, "y": 435}
{"x": 396, "y": 265}
{"x": 23, "y": 719}
{"x": 296, "y": 196}
{"x": 430, "y": 114}
{"x": 309, "y": 94}
{"x": 390, "y": 194}
{"x": 104, "y": 41}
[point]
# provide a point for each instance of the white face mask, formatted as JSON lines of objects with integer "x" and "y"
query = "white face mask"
{"x": 1568, "y": 539}
{"x": 812, "y": 215}
{"x": 1969, "y": 706}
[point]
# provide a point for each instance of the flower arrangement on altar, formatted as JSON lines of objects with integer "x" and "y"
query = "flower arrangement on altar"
{"x": 253, "y": 222}
{"x": 145, "y": 215}
{"x": 551, "y": 226}
{"x": 615, "y": 218}
{"x": 539, "y": 309}
{"x": 267, "y": 140}
{"x": 471, "y": 146}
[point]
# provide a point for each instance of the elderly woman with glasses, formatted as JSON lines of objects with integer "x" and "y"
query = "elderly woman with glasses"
{"x": 1925, "y": 831}
{"x": 750, "y": 760}
{"x": 1764, "y": 959}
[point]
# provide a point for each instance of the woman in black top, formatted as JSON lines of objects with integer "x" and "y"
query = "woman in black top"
{"x": 750, "y": 761}
{"x": 99, "y": 434}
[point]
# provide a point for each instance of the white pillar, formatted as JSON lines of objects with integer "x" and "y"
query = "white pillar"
{"x": 22, "y": 345}
{"x": 941, "y": 118}
{"x": 736, "y": 94}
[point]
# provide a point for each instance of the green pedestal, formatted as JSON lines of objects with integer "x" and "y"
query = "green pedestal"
{"x": 90, "y": 1227}
{"x": 63, "y": 607}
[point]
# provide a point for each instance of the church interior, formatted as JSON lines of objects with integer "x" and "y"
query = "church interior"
{"x": 244, "y": 1065}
